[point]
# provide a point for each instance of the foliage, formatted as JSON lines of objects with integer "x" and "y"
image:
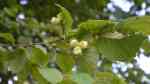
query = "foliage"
{"x": 41, "y": 46}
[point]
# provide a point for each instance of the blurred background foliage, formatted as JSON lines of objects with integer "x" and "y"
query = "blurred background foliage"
{"x": 25, "y": 25}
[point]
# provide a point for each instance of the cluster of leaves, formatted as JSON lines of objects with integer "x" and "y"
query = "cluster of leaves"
{"x": 41, "y": 49}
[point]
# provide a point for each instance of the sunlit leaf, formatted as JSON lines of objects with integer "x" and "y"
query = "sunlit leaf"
{"x": 135, "y": 24}
{"x": 38, "y": 77}
{"x": 88, "y": 60}
{"x": 119, "y": 49}
{"x": 51, "y": 74}
{"x": 66, "y": 19}
{"x": 95, "y": 26}
{"x": 82, "y": 78}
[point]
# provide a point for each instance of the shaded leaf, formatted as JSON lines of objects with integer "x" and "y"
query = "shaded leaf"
{"x": 67, "y": 81}
{"x": 108, "y": 78}
{"x": 24, "y": 72}
{"x": 37, "y": 56}
{"x": 106, "y": 65}
{"x": 4, "y": 55}
{"x": 7, "y": 37}
{"x": 97, "y": 4}
{"x": 32, "y": 23}
{"x": 11, "y": 11}
{"x": 18, "y": 61}
{"x": 19, "y": 64}
{"x": 146, "y": 46}
{"x": 138, "y": 2}
{"x": 65, "y": 61}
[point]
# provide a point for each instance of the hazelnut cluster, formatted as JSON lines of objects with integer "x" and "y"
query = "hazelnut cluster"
{"x": 56, "y": 20}
{"x": 78, "y": 46}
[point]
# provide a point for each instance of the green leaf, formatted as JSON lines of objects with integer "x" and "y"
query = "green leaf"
{"x": 4, "y": 55}
{"x": 138, "y": 2}
{"x": 11, "y": 11}
{"x": 88, "y": 60}
{"x": 3, "y": 67}
{"x": 7, "y": 37}
{"x": 38, "y": 77}
{"x": 37, "y": 56}
{"x": 32, "y": 23}
{"x": 66, "y": 19}
{"x": 19, "y": 64}
{"x": 51, "y": 74}
{"x": 82, "y": 78}
{"x": 97, "y": 4}
{"x": 95, "y": 26}
{"x": 12, "y": 3}
{"x": 135, "y": 24}
{"x": 18, "y": 61}
{"x": 119, "y": 49}
{"x": 65, "y": 65}
{"x": 146, "y": 46}
{"x": 108, "y": 78}
{"x": 106, "y": 65}
{"x": 67, "y": 81}
{"x": 24, "y": 72}
{"x": 113, "y": 35}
